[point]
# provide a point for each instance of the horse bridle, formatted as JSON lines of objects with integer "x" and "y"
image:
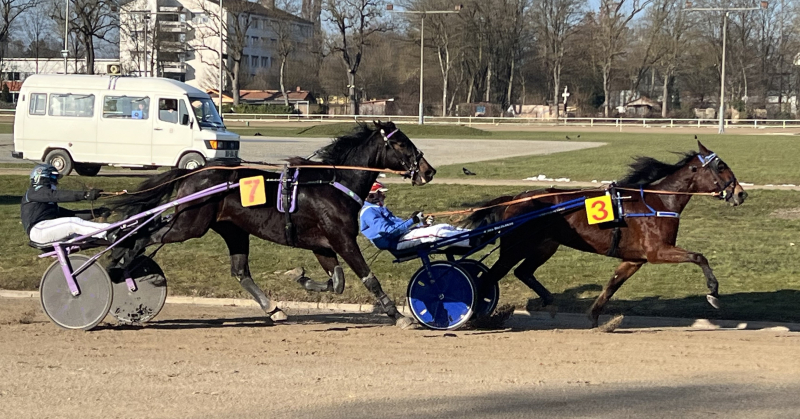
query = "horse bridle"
{"x": 711, "y": 162}
{"x": 412, "y": 167}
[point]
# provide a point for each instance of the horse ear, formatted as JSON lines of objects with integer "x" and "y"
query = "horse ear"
{"x": 378, "y": 124}
{"x": 703, "y": 150}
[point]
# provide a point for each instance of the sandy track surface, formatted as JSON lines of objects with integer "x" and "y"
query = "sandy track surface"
{"x": 220, "y": 362}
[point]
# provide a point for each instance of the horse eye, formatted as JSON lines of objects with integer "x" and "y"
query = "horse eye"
{"x": 721, "y": 167}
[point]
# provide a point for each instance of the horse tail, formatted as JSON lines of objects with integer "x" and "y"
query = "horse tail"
{"x": 150, "y": 193}
{"x": 486, "y": 216}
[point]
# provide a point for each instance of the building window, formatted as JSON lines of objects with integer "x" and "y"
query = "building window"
{"x": 71, "y": 105}
{"x": 245, "y": 59}
{"x": 264, "y": 62}
{"x": 38, "y": 104}
{"x": 254, "y": 61}
{"x": 126, "y": 107}
{"x": 200, "y": 18}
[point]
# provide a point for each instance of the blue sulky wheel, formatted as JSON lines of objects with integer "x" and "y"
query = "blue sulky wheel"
{"x": 83, "y": 311}
{"x": 484, "y": 304}
{"x": 443, "y": 297}
{"x": 146, "y": 301}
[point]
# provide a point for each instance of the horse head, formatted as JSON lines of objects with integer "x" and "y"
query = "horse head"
{"x": 402, "y": 154}
{"x": 713, "y": 175}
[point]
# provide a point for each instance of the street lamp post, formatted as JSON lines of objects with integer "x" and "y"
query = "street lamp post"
{"x": 423, "y": 14}
{"x": 65, "y": 52}
{"x": 727, "y": 10}
{"x": 221, "y": 56}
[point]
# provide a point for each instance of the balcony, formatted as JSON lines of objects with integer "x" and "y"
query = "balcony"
{"x": 174, "y": 67}
{"x": 176, "y": 27}
{"x": 171, "y": 46}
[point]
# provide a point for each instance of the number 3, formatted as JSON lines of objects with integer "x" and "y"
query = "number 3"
{"x": 600, "y": 206}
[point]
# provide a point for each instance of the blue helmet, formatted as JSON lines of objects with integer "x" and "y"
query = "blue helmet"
{"x": 44, "y": 175}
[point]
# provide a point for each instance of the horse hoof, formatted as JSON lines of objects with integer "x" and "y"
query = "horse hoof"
{"x": 404, "y": 323}
{"x": 278, "y": 315}
{"x": 553, "y": 310}
{"x": 338, "y": 279}
{"x": 714, "y": 301}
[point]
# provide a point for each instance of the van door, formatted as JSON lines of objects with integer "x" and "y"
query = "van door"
{"x": 170, "y": 136}
{"x": 124, "y": 131}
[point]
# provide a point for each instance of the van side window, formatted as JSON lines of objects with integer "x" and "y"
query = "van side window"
{"x": 184, "y": 113}
{"x": 38, "y": 104}
{"x": 126, "y": 107}
{"x": 168, "y": 110}
{"x": 71, "y": 105}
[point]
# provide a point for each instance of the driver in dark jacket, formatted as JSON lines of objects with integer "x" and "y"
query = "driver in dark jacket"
{"x": 44, "y": 220}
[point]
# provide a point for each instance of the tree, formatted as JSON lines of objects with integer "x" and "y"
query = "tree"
{"x": 37, "y": 28}
{"x": 555, "y": 23}
{"x": 672, "y": 39}
{"x": 612, "y": 22}
{"x": 10, "y": 10}
{"x": 90, "y": 21}
{"x": 238, "y": 19}
{"x": 286, "y": 32}
{"x": 354, "y": 22}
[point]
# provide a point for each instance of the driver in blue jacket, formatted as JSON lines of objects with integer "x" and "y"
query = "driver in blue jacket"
{"x": 386, "y": 231}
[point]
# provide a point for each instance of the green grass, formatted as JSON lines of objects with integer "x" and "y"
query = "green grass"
{"x": 749, "y": 249}
{"x": 6, "y": 128}
{"x": 759, "y": 159}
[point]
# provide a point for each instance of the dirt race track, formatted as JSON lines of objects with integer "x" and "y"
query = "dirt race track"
{"x": 221, "y": 362}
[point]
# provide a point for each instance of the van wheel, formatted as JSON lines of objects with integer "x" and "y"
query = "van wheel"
{"x": 191, "y": 161}
{"x": 61, "y": 160}
{"x": 87, "y": 169}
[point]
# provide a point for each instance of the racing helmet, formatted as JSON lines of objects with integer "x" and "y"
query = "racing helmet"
{"x": 44, "y": 175}
{"x": 377, "y": 187}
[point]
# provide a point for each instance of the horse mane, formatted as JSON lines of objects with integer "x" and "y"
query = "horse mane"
{"x": 646, "y": 170}
{"x": 338, "y": 150}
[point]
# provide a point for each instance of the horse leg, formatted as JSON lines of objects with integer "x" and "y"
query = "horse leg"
{"x": 327, "y": 259}
{"x": 528, "y": 266}
{"x": 347, "y": 248}
{"x": 238, "y": 242}
{"x": 624, "y": 271}
{"x": 678, "y": 255}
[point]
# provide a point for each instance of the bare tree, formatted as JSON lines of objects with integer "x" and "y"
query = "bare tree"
{"x": 286, "y": 33}
{"x": 238, "y": 20}
{"x": 37, "y": 28}
{"x": 90, "y": 21}
{"x": 612, "y": 23}
{"x": 673, "y": 41}
{"x": 354, "y": 21}
{"x": 10, "y": 10}
{"x": 554, "y": 23}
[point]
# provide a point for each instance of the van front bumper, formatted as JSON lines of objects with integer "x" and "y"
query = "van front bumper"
{"x": 16, "y": 154}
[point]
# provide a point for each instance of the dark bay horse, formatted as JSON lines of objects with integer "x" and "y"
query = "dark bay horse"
{"x": 634, "y": 240}
{"x": 325, "y": 220}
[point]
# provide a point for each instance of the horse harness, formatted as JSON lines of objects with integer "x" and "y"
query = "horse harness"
{"x": 288, "y": 183}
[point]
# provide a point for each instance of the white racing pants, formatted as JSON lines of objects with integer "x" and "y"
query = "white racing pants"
{"x": 60, "y": 229}
{"x": 429, "y": 234}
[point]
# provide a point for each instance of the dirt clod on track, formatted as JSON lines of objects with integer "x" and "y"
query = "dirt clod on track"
{"x": 224, "y": 362}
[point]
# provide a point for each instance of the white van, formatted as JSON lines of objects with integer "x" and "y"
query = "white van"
{"x": 84, "y": 122}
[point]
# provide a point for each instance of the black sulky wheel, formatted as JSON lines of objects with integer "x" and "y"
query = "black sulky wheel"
{"x": 442, "y": 298}
{"x": 484, "y": 304}
{"x": 83, "y": 311}
{"x": 146, "y": 301}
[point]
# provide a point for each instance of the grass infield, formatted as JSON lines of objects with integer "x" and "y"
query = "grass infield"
{"x": 751, "y": 248}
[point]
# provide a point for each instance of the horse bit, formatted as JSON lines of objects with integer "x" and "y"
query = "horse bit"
{"x": 712, "y": 163}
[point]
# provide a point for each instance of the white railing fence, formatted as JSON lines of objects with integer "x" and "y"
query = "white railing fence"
{"x": 248, "y": 119}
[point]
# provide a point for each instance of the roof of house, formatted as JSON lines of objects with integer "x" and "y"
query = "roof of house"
{"x": 644, "y": 101}
{"x": 273, "y": 95}
{"x": 258, "y": 8}
{"x": 13, "y": 86}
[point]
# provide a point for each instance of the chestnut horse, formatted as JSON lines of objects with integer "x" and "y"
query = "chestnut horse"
{"x": 325, "y": 221}
{"x": 647, "y": 232}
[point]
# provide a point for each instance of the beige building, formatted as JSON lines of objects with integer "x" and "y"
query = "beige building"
{"x": 180, "y": 39}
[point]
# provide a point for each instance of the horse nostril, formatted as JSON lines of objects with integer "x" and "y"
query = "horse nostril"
{"x": 742, "y": 195}
{"x": 430, "y": 173}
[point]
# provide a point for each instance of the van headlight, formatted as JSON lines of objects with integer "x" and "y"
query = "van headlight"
{"x": 222, "y": 145}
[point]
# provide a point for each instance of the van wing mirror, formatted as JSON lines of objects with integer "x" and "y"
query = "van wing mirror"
{"x": 185, "y": 119}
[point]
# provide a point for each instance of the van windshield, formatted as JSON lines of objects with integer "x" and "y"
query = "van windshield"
{"x": 206, "y": 112}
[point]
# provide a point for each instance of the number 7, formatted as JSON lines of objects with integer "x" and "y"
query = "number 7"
{"x": 254, "y": 183}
